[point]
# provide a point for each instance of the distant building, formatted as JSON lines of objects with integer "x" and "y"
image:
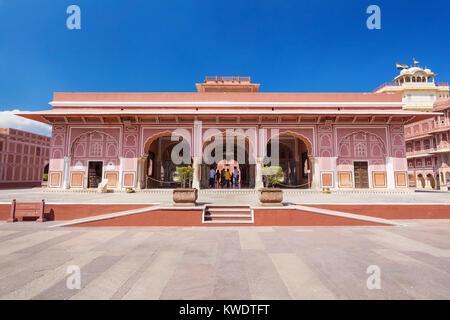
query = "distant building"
{"x": 428, "y": 149}
{"x": 24, "y": 157}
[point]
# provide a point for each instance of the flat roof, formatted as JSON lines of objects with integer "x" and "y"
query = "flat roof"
{"x": 306, "y": 97}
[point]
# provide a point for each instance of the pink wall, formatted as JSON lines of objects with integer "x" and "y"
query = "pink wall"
{"x": 23, "y": 156}
{"x": 335, "y": 146}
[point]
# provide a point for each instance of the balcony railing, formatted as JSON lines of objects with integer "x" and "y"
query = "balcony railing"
{"x": 395, "y": 84}
{"x": 418, "y": 152}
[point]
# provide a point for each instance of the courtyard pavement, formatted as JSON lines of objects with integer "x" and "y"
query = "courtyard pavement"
{"x": 226, "y": 262}
{"x": 247, "y": 196}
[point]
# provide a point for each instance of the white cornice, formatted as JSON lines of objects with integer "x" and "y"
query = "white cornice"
{"x": 217, "y": 104}
{"x": 227, "y": 112}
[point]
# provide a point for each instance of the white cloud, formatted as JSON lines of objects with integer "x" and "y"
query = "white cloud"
{"x": 9, "y": 120}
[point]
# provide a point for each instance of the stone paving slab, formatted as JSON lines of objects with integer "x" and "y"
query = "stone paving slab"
{"x": 226, "y": 262}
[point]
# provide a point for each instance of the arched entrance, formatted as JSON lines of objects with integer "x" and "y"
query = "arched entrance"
{"x": 93, "y": 155}
{"x": 421, "y": 179}
{"x": 45, "y": 174}
{"x": 228, "y": 152}
{"x": 431, "y": 181}
{"x": 159, "y": 165}
{"x": 365, "y": 153}
{"x": 293, "y": 158}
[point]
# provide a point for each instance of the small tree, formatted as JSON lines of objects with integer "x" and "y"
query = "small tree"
{"x": 272, "y": 175}
{"x": 184, "y": 175}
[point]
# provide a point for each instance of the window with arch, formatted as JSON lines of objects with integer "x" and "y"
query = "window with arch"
{"x": 96, "y": 149}
{"x": 360, "y": 149}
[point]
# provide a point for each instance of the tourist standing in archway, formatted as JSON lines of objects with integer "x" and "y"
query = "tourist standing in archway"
{"x": 212, "y": 174}
{"x": 217, "y": 178}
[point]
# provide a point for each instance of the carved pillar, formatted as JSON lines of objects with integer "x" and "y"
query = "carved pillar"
{"x": 314, "y": 173}
{"x": 428, "y": 183}
{"x": 196, "y": 161}
{"x": 66, "y": 173}
{"x": 259, "y": 178}
{"x": 390, "y": 173}
{"x": 141, "y": 184}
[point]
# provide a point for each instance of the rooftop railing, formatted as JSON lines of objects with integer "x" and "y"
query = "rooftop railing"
{"x": 228, "y": 79}
{"x": 385, "y": 85}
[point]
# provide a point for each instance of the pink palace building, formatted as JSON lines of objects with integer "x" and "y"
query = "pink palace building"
{"x": 333, "y": 140}
{"x": 24, "y": 158}
{"x": 428, "y": 149}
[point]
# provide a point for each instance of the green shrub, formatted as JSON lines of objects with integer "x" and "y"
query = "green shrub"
{"x": 184, "y": 175}
{"x": 45, "y": 177}
{"x": 272, "y": 175}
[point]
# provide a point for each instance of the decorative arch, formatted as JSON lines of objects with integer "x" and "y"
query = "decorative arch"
{"x": 347, "y": 139}
{"x": 85, "y": 135}
{"x": 158, "y": 135}
{"x": 209, "y": 138}
{"x": 295, "y": 168}
{"x": 305, "y": 140}
{"x": 247, "y": 169}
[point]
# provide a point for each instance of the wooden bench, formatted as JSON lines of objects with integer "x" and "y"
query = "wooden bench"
{"x": 27, "y": 210}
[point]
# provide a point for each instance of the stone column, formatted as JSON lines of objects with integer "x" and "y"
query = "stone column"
{"x": 428, "y": 183}
{"x": 119, "y": 185}
{"x": 196, "y": 161}
{"x": 141, "y": 172}
{"x": 335, "y": 173}
{"x": 442, "y": 181}
{"x": 66, "y": 173}
{"x": 314, "y": 173}
{"x": 259, "y": 178}
{"x": 390, "y": 173}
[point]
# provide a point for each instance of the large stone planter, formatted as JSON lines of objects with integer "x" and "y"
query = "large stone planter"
{"x": 185, "y": 196}
{"x": 270, "y": 196}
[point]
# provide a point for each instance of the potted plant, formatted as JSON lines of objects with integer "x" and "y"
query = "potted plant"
{"x": 185, "y": 196}
{"x": 269, "y": 195}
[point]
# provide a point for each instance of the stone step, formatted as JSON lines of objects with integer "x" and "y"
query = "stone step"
{"x": 228, "y": 210}
{"x": 228, "y": 221}
{"x": 228, "y": 215}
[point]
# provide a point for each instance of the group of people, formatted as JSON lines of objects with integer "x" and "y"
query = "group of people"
{"x": 223, "y": 178}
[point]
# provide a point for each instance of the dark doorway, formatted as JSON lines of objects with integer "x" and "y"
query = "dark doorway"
{"x": 361, "y": 174}
{"x": 160, "y": 170}
{"x": 95, "y": 172}
{"x": 293, "y": 159}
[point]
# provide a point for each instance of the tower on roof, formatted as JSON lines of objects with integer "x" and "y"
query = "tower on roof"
{"x": 418, "y": 87}
{"x": 227, "y": 84}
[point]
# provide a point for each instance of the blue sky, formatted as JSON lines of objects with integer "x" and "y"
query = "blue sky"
{"x": 143, "y": 45}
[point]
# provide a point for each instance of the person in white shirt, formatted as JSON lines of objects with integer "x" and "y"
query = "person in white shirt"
{"x": 212, "y": 174}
